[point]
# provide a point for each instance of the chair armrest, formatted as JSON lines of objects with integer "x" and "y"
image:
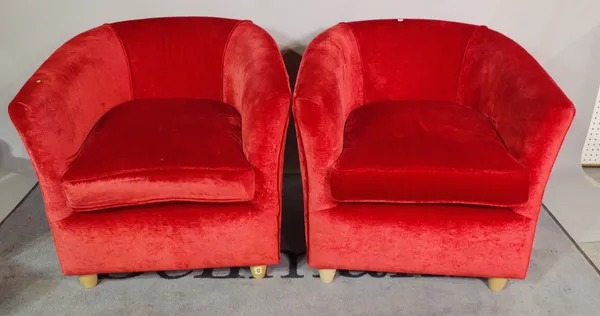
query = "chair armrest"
{"x": 59, "y": 105}
{"x": 529, "y": 111}
{"x": 256, "y": 83}
{"x": 329, "y": 87}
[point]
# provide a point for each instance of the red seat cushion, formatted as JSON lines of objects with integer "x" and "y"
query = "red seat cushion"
{"x": 426, "y": 151}
{"x": 157, "y": 150}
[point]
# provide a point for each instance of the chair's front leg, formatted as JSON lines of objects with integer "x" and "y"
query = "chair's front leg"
{"x": 497, "y": 284}
{"x": 258, "y": 272}
{"x": 88, "y": 280}
{"x": 327, "y": 275}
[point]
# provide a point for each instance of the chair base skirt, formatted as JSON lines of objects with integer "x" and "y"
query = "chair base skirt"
{"x": 421, "y": 239}
{"x": 167, "y": 236}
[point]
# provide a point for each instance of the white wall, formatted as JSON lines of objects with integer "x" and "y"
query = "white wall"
{"x": 563, "y": 35}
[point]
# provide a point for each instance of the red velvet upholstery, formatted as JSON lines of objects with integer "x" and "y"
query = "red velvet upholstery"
{"x": 435, "y": 52}
{"x": 425, "y": 151}
{"x": 172, "y": 159}
{"x": 200, "y": 108}
{"x": 159, "y": 53}
{"x": 167, "y": 236}
{"x": 429, "y": 111}
{"x": 417, "y": 238}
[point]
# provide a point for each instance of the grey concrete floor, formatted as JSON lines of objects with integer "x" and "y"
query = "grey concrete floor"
{"x": 592, "y": 249}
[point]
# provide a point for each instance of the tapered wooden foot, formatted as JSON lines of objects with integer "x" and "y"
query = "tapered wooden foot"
{"x": 89, "y": 280}
{"x": 327, "y": 275}
{"x": 258, "y": 272}
{"x": 496, "y": 284}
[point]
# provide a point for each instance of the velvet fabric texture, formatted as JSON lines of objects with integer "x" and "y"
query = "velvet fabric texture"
{"x": 167, "y": 156}
{"x": 425, "y": 151}
{"x": 167, "y": 236}
{"x": 441, "y": 239}
{"x": 200, "y": 108}
{"x": 415, "y": 112}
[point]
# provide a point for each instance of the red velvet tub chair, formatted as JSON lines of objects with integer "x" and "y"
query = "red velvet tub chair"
{"x": 425, "y": 148}
{"x": 158, "y": 145}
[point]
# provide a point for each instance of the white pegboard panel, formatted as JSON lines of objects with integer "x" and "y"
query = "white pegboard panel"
{"x": 591, "y": 150}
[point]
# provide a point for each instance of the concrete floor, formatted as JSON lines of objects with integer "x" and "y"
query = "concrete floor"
{"x": 13, "y": 187}
{"x": 592, "y": 249}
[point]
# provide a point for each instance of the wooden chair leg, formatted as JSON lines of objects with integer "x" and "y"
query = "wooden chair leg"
{"x": 88, "y": 280}
{"x": 258, "y": 272}
{"x": 327, "y": 275}
{"x": 496, "y": 284}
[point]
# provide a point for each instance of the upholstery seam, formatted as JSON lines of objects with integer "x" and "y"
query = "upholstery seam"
{"x": 127, "y": 61}
{"x": 446, "y": 170}
{"x": 462, "y": 64}
{"x": 305, "y": 183}
{"x": 140, "y": 170}
{"x": 502, "y": 209}
{"x": 280, "y": 178}
{"x": 343, "y": 129}
{"x": 97, "y": 207}
{"x": 307, "y": 100}
{"x": 223, "y": 56}
{"x": 486, "y": 117}
{"x": 493, "y": 125}
{"x": 21, "y": 104}
{"x": 362, "y": 64}
{"x": 508, "y": 206}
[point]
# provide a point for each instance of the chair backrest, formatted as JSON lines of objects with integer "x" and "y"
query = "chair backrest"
{"x": 411, "y": 59}
{"x": 176, "y": 57}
